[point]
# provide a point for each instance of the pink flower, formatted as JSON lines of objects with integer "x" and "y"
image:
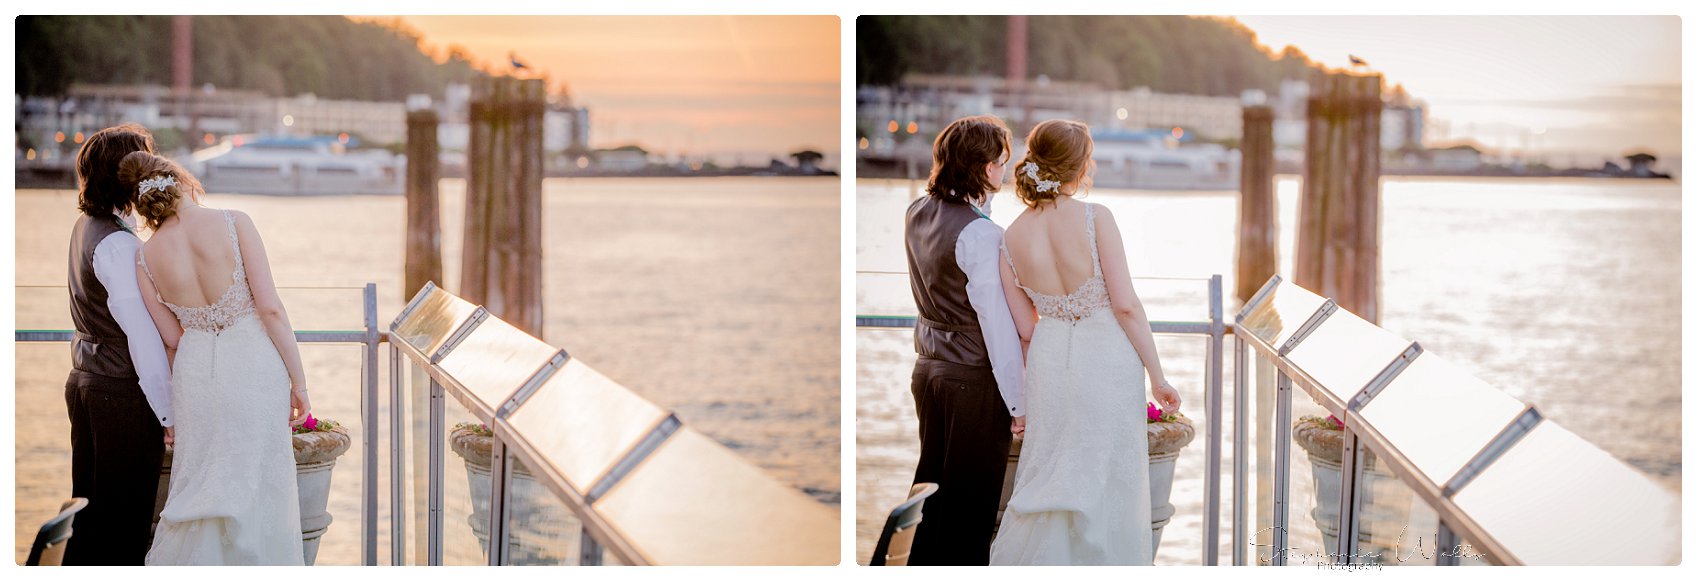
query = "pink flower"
{"x": 311, "y": 423}
{"x": 1154, "y": 413}
{"x": 1335, "y": 420}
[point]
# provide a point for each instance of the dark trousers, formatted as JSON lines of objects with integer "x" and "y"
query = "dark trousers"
{"x": 116, "y": 448}
{"x": 963, "y": 448}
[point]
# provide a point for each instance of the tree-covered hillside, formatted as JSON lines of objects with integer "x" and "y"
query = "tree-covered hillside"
{"x": 1170, "y": 54}
{"x": 329, "y": 56}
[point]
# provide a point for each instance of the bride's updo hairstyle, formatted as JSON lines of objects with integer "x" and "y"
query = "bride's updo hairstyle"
{"x": 1061, "y": 150}
{"x": 159, "y": 202}
{"x": 962, "y": 152}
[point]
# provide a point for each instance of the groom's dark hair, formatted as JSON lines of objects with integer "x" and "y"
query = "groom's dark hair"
{"x": 97, "y": 168}
{"x": 960, "y": 153}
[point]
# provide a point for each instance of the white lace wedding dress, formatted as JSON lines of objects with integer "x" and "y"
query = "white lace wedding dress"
{"x": 233, "y": 498}
{"x": 1081, "y": 491}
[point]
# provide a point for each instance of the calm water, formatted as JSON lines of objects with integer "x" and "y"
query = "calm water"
{"x": 1564, "y": 293}
{"x": 717, "y": 298}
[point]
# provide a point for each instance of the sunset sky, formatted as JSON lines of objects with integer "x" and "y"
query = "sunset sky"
{"x": 738, "y": 88}
{"x": 1595, "y": 85}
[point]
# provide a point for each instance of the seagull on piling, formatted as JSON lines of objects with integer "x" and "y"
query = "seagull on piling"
{"x": 518, "y": 65}
{"x": 1355, "y": 61}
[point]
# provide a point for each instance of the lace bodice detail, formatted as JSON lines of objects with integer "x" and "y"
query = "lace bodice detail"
{"x": 233, "y": 306}
{"x": 1082, "y": 301}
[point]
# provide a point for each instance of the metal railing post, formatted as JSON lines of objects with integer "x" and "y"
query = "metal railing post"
{"x": 500, "y": 478}
{"x": 397, "y": 459}
{"x": 589, "y": 551}
{"x": 1348, "y": 500}
{"x": 369, "y": 427}
{"x": 1211, "y": 473}
{"x": 434, "y": 487}
{"x": 1447, "y": 556}
{"x": 1281, "y": 469}
{"x": 1240, "y": 438}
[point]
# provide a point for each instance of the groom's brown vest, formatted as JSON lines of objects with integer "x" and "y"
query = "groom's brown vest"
{"x": 99, "y": 345}
{"x": 948, "y": 327}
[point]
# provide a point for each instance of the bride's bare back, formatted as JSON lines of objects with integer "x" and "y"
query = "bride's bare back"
{"x": 1051, "y": 249}
{"x": 190, "y": 258}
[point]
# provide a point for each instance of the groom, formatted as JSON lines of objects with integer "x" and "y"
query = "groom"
{"x": 967, "y": 384}
{"x": 118, "y": 394}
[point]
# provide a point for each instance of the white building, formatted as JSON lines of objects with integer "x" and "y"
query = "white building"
{"x": 1458, "y": 158}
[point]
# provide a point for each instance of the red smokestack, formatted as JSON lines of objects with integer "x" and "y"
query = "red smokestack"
{"x": 1016, "y": 50}
{"x": 182, "y": 54}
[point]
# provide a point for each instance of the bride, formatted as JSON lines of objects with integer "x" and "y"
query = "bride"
{"x": 236, "y": 377}
{"x": 1081, "y": 491}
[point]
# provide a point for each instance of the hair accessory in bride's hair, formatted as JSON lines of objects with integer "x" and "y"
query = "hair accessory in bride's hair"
{"x": 1030, "y": 168}
{"x": 158, "y": 183}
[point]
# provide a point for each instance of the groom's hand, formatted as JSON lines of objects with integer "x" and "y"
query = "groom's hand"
{"x": 170, "y": 436}
{"x": 1019, "y": 426}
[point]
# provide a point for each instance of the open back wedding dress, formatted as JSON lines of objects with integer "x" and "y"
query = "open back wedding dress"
{"x": 1081, "y": 491}
{"x": 233, "y": 498}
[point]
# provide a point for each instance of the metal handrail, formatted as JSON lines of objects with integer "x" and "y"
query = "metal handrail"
{"x": 1361, "y": 435}
{"x": 369, "y": 338}
{"x": 1214, "y": 328}
{"x": 804, "y": 516}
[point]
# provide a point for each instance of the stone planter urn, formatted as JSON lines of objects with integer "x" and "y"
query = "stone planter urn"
{"x": 1384, "y": 499}
{"x": 315, "y": 455}
{"x": 1166, "y": 439}
{"x": 542, "y": 531}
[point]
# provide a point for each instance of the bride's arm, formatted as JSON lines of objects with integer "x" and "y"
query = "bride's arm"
{"x": 1128, "y": 310}
{"x": 170, "y": 330}
{"x": 269, "y": 307}
{"x": 1024, "y": 312}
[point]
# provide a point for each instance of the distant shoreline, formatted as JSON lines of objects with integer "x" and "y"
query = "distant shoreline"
{"x": 896, "y": 171}
{"x": 36, "y": 179}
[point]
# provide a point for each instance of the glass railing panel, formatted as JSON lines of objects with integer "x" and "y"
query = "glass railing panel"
{"x": 1177, "y": 468}
{"x": 41, "y": 438}
{"x": 889, "y": 294}
{"x": 1315, "y": 475}
{"x": 433, "y": 320}
{"x": 1394, "y": 526}
{"x": 495, "y": 359}
{"x": 540, "y": 529}
{"x": 334, "y": 384}
{"x": 1438, "y": 415}
{"x": 1555, "y": 499}
{"x": 311, "y": 309}
{"x": 325, "y": 308}
{"x": 886, "y": 430}
{"x": 883, "y": 294}
{"x": 691, "y": 484}
{"x": 417, "y": 442}
{"x": 1345, "y": 352}
{"x": 43, "y": 308}
{"x": 1173, "y": 299}
{"x": 465, "y": 486}
{"x": 1263, "y": 381}
{"x": 581, "y": 422}
{"x": 1285, "y": 308}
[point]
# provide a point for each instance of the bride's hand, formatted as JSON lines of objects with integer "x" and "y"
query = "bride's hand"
{"x": 1167, "y": 397}
{"x": 170, "y": 436}
{"x": 299, "y": 406}
{"x": 1018, "y": 426}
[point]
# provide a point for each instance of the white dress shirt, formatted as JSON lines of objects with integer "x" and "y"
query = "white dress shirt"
{"x": 978, "y": 253}
{"x": 115, "y": 267}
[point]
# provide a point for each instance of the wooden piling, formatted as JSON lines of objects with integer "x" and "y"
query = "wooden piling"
{"x": 1258, "y": 209}
{"x": 424, "y": 226}
{"x": 502, "y": 269}
{"x": 1337, "y": 246}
